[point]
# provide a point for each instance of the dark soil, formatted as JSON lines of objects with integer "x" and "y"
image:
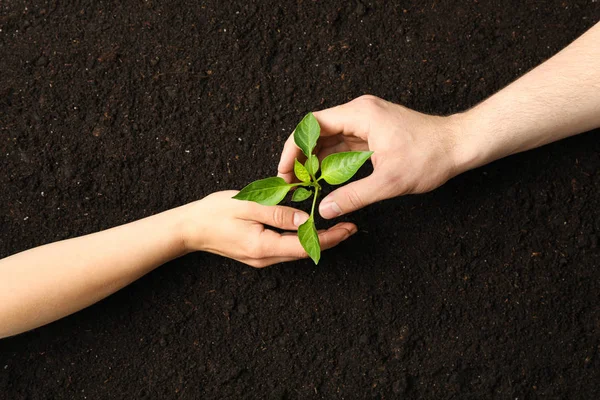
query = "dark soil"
{"x": 486, "y": 288}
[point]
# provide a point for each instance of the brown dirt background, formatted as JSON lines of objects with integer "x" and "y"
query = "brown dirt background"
{"x": 111, "y": 111}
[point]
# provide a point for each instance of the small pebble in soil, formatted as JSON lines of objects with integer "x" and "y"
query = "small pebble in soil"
{"x": 42, "y": 61}
{"x": 171, "y": 91}
{"x": 361, "y": 10}
{"x": 562, "y": 261}
{"x": 91, "y": 61}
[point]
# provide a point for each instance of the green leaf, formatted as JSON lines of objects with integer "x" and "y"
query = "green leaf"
{"x": 301, "y": 194}
{"x": 307, "y": 133}
{"x": 309, "y": 238}
{"x": 268, "y": 192}
{"x": 337, "y": 168}
{"x": 312, "y": 165}
{"x": 301, "y": 172}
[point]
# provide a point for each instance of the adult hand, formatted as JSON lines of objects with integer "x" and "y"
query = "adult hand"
{"x": 413, "y": 152}
{"x": 237, "y": 229}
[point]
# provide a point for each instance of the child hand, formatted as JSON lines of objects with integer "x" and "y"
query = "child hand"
{"x": 238, "y": 229}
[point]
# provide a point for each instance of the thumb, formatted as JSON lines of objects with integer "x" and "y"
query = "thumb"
{"x": 352, "y": 197}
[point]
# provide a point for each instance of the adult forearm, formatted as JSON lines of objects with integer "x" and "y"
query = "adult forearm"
{"x": 559, "y": 98}
{"x": 49, "y": 282}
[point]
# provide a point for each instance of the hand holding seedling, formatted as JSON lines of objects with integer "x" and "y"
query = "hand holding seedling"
{"x": 335, "y": 170}
{"x": 235, "y": 229}
{"x": 413, "y": 152}
{"x": 46, "y": 283}
{"x": 416, "y": 153}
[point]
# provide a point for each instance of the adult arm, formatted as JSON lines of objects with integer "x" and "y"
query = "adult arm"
{"x": 559, "y": 98}
{"x": 416, "y": 153}
{"x": 49, "y": 282}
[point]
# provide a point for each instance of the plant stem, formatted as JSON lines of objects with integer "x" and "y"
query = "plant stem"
{"x": 312, "y": 210}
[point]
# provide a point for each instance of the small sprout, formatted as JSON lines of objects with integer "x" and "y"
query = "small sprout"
{"x": 336, "y": 169}
{"x": 301, "y": 172}
{"x": 301, "y": 194}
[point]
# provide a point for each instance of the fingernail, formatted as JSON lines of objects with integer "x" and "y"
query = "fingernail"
{"x": 300, "y": 218}
{"x": 353, "y": 230}
{"x": 330, "y": 209}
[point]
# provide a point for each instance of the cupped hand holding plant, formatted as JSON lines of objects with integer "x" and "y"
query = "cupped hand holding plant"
{"x": 414, "y": 152}
{"x": 335, "y": 169}
{"x": 239, "y": 230}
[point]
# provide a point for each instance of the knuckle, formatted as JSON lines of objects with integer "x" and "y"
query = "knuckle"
{"x": 390, "y": 179}
{"x": 279, "y": 216}
{"x": 369, "y": 102}
{"x": 368, "y": 98}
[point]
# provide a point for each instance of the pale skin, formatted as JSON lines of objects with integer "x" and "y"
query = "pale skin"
{"x": 46, "y": 283}
{"x": 413, "y": 153}
{"x": 416, "y": 153}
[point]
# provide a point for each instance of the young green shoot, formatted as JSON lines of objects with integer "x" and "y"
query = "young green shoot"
{"x": 336, "y": 169}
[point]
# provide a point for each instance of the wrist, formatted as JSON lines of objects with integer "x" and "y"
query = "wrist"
{"x": 179, "y": 230}
{"x": 191, "y": 234}
{"x": 467, "y": 153}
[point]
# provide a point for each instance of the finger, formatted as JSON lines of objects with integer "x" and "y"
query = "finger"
{"x": 346, "y": 119}
{"x": 342, "y": 225}
{"x": 266, "y": 262}
{"x": 290, "y": 152}
{"x": 336, "y": 234}
{"x": 353, "y": 196}
{"x": 276, "y": 216}
{"x": 277, "y": 246}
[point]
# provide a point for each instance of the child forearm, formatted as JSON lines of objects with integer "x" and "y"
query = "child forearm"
{"x": 44, "y": 284}
{"x": 49, "y": 282}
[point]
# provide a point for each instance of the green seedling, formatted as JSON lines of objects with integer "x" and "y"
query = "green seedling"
{"x": 335, "y": 169}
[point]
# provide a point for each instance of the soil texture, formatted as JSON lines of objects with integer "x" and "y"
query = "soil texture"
{"x": 111, "y": 111}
